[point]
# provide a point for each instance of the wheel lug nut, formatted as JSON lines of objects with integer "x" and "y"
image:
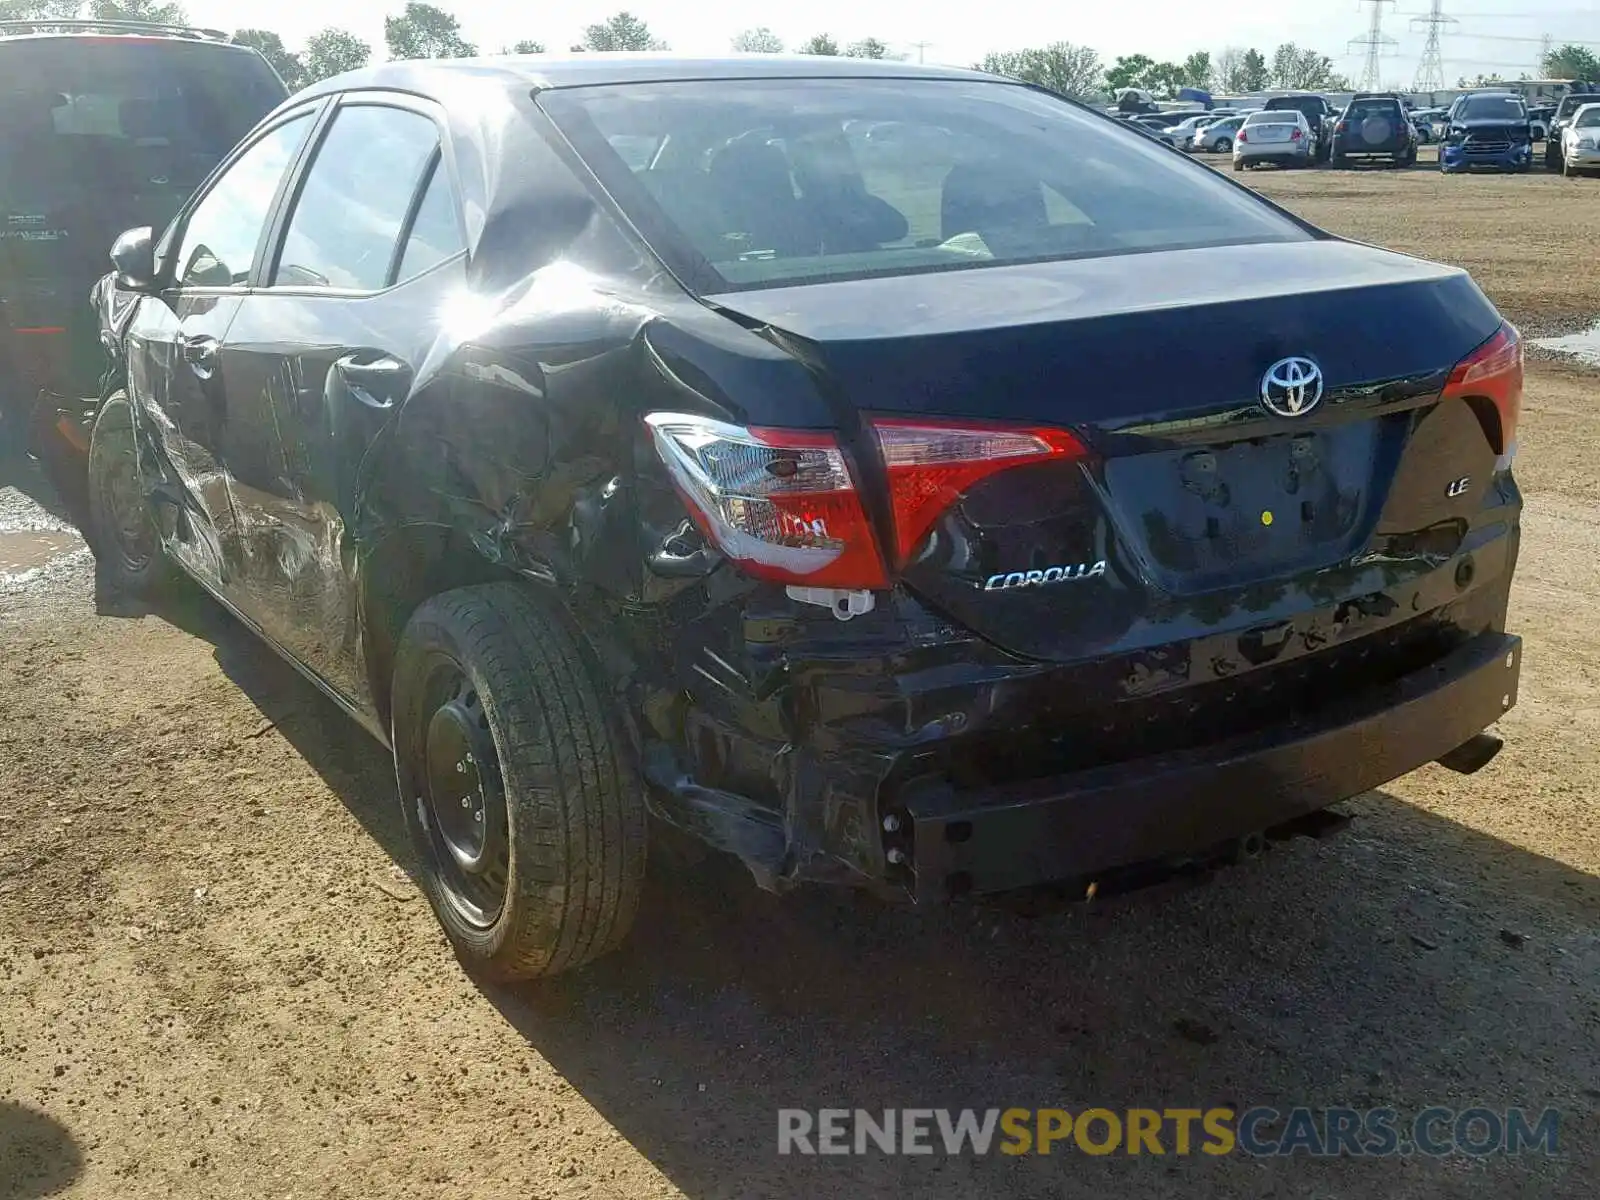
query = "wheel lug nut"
{"x": 466, "y": 802}
{"x": 461, "y": 768}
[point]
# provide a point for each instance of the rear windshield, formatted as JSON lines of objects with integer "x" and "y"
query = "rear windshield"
{"x": 1492, "y": 108}
{"x": 80, "y": 113}
{"x": 1361, "y": 109}
{"x": 787, "y": 181}
{"x": 1282, "y": 116}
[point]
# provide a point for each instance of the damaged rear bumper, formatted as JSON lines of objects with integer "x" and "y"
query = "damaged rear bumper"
{"x": 955, "y": 841}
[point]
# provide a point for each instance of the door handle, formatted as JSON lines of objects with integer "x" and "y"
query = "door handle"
{"x": 200, "y": 353}
{"x": 373, "y": 380}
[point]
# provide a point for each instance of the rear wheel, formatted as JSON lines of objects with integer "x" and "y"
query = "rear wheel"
{"x": 526, "y": 813}
{"x": 1238, "y": 164}
{"x": 122, "y": 526}
{"x": 1224, "y": 146}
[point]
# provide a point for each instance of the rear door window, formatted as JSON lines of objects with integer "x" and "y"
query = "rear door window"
{"x": 347, "y": 222}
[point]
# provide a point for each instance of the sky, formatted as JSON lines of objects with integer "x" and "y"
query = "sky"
{"x": 1491, "y": 36}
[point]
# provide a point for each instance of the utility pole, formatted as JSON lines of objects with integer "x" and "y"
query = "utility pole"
{"x": 919, "y": 47}
{"x": 1430, "y": 71}
{"x": 1375, "y": 43}
{"x": 1547, "y": 47}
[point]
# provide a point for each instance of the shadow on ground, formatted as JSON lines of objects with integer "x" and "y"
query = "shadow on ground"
{"x": 38, "y": 1156}
{"x": 1408, "y": 963}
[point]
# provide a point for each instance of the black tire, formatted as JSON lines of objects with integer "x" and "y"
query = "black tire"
{"x": 1238, "y": 164}
{"x": 1566, "y": 170}
{"x": 1339, "y": 162}
{"x": 122, "y": 527}
{"x": 560, "y": 814}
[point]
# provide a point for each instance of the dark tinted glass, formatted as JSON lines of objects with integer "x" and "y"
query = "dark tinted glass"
{"x": 353, "y": 205}
{"x": 1492, "y": 108}
{"x": 776, "y": 181}
{"x": 436, "y": 232}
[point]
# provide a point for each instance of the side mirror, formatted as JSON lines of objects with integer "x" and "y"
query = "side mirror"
{"x": 134, "y": 257}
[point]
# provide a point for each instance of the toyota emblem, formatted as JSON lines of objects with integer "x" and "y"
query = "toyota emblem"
{"x": 1292, "y": 387}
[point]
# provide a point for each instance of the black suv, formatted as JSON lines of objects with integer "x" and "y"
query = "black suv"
{"x": 1374, "y": 126}
{"x": 619, "y": 438}
{"x": 1319, "y": 114}
{"x": 103, "y": 124}
{"x": 1570, "y": 104}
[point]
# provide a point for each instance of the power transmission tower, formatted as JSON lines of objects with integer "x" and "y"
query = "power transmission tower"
{"x": 1430, "y": 71}
{"x": 1375, "y": 44}
{"x": 1547, "y": 47}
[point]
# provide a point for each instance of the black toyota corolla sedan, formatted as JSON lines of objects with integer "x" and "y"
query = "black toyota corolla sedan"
{"x": 890, "y": 476}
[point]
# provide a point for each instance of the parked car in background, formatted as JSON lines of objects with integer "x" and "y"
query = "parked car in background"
{"x": 1320, "y": 118}
{"x": 1539, "y": 120}
{"x": 1580, "y": 150}
{"x": 1217, "y": 137}
{"x": 1487, "y": 129}
{"x": 1183, "y": 131}
{"x": 1280, "y": 136}
{"x": 1429, "y": 123}
{"x": 1570, "y": 104}
{"x": 738, "y": 487}
{"x": 1374, "y": 126}
{"x": 103, "y": 124}
{"x": 1155, "y": 128}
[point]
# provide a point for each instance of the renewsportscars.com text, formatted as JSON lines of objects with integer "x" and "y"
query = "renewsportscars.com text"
{"x": 1260, "y": 1131}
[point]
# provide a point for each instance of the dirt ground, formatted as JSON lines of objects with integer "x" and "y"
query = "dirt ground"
{"x": 216, "y": 979}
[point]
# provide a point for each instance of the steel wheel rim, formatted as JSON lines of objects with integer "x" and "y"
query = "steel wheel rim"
{"x": 461, "y": 800}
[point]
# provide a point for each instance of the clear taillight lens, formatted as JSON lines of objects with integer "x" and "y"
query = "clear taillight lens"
{"x": 783, "y": 504}
{"x": 780, "y": 503}
{"x": 1494, "y": 372}
{"x": 932, "y": 466}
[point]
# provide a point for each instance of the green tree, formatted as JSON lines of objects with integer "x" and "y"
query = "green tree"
{"x": 161, "y": 11}
{"x": 270, "y": 46}
{"x": 1301, "y": 70}
{"x": 333, "y": 52}
{"x": 624, "y": 31}
{"x": 1253, "y": 74}
{"x": 425, "y": 31}
{"x": 1572, "y": 62}
{"x": 820, "y": 43}
{"x": 525, "y": 47}
{"x": 1197, "y": 70}
{"x": 1062, "y": 67}
{"x": 757, "y": 41}
{"x": 1129, "y": 71}
{"x": 867, "y": 48}
{"x": 138, "y": 10}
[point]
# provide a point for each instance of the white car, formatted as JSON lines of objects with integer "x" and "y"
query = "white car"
{"x": 1580, "y": 142}
{"x": 1281, "y": 136}
{"x": 1217, "y": 137}
{"x": 1183, "y": 131}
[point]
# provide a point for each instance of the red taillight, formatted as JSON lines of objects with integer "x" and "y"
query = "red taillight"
{"x": 932, "y": 466}
{"x": 1296, "y": 135}
{"x": 1242, "y": 137}
{"x": 39, "y": 330}
{"x": 1493, "y": 372}
{"x": 780, "y": 503}
{"x": 784, "y": 506}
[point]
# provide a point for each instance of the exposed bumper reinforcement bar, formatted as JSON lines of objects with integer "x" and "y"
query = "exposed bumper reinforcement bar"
{"x": 1073, "y": 826}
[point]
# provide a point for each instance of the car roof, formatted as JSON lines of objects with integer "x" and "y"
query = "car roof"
{"x": 543, "y": 72}
{"x": 102, "y": 31}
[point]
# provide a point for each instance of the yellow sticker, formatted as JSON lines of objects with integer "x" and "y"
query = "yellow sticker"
{"x": 1266, "y": 517}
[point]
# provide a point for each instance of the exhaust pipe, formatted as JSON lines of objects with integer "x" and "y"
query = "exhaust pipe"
{"x": 1473, "y": 755}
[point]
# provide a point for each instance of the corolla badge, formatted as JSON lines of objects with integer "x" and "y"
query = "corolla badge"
{"x": 1292, "y": 387}
{"x": 1061, "y": 574}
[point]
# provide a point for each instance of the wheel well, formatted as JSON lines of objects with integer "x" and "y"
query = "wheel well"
{"x": 405, "y": 568}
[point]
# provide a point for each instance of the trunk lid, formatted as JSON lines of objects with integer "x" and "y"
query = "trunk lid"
{"x": 1198, "y": 509}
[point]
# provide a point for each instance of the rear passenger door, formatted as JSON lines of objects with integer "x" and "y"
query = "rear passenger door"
{"x": 364, "y": 258}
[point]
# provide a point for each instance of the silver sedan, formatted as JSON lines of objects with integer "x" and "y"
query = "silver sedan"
{"x": 1282, "y": 136}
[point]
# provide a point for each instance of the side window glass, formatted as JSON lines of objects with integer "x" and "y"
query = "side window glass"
{"x": 220, "y": 237}
{"x": 436, "y": 231}
{"x": 347, "y": 221}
